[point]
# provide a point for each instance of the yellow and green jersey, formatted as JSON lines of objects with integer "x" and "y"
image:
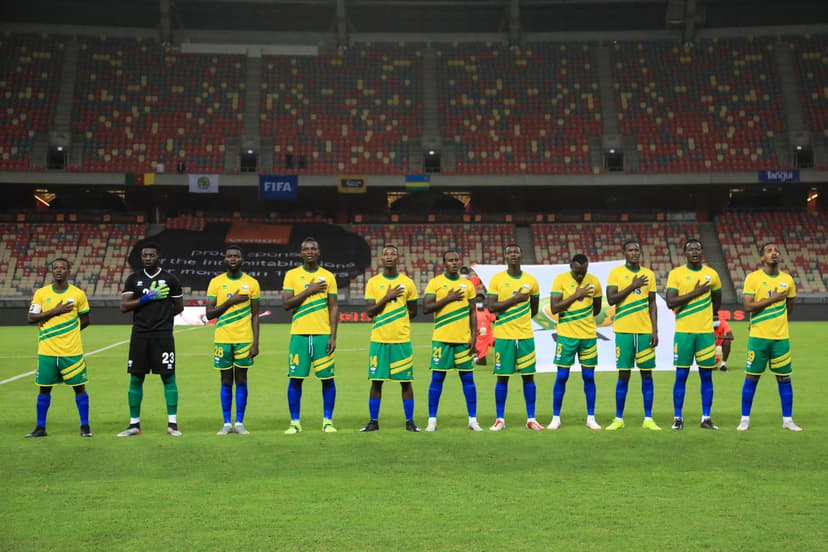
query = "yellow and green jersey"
{"x": 697, "y": 315}
{"x": 451, "y": 323}
{"x": 60, "y": 335}
{"x": 772, "y": 322}
{"x": 392, "y": 325}
{"x": 516, "y": 321}
{"x": 577, "y": 321}
{"x": 632, "y": 315}
{"x": 235, "y": 325}
{"x": 312, "y": 317}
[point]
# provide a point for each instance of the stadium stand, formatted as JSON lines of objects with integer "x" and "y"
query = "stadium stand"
{"x": 519, "y": 110}
{"x": 98, "y": 254}
{"x": 805, "y": 255}
{"x": 421, "y": 247}
{"x": 811, "y": 66}
{"x": 139, "y": 104}
{"x": 661, "y": 243}
{"x": 29, "y": 78}
{"x": 351, "y": 111}
{"x": 711, "y": 107}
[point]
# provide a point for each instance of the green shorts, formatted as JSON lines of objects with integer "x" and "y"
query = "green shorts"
{"x": 391, "y": 361}
{"x": 633, "y": 350}
{"x": 307, "y": 352}
{"x": 568, "y": 347}
{"x": 761, "y": 352}
{"x": 228, "y": 355}
{"x": 450, "y": 356}
{"x": 701, "y": 346}
{"x": 52, "y": 370}
{"x": 514, "y": 356}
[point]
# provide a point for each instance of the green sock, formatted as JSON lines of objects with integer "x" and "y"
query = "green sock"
{"x": 135, "y": 395}
{"x": 170, "y": 394}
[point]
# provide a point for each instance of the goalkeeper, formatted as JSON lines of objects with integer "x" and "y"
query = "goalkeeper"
{"x": 154, "y": 297}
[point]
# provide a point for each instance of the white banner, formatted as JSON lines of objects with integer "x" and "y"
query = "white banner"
{"x": 545, "y": 322}
{"x": 204, "y": 183}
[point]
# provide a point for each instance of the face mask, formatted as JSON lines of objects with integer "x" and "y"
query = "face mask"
{"x": 480, "y": 306}
{"x": 716, "y": 323}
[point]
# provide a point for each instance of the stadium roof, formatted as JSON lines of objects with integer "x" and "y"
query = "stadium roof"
{"x": 412, "y": 16}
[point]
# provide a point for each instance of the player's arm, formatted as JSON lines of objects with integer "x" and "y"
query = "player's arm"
{"x": 254, "y": 323}
{"x": 84, "y": 320}
{"x": 376, "y": 307}
{"x": 596, "y": 306}
{"x": 674, "y": 300}
{"x": 333, "y": 314}
{"x": 558, "y": 304}
{"x": 412, "y": 309}
{"x": 615, "y": 296}
{"x": 37, "y": 315}
{"x": 130, "y": 302}
{"x": 472, "y": 324}
{"x": 214, "y": 311}
{"x": 753, "y": 306}
{"x": 652, "y": 308}
{"x": 534, "y": 304}
{"x": 430, "y": 303}
{"x": 290, "y": 300}
{"x": 497, "y": 307}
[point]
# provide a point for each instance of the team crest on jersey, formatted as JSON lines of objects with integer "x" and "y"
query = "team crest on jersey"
{"x": 783, "y": 285}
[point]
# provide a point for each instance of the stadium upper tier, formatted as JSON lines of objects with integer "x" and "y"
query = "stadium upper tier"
{"x": 713, "y": 107}
{"x": 98, "y": 253}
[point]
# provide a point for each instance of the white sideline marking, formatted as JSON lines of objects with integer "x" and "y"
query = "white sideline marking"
{"x": 95, "y": 352}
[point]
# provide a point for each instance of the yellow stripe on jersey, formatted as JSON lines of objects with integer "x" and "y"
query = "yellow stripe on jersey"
{"x": 235, "y": 325}
{"x": 772, "y": 322}
{"x": 632, "y": 314}
{"x": 60, "y": 335}
{"x": 313, "y": 316}
{"x": 696, "y": 316}
{"x": 392, "y": 325}
{"x": 516, "y": 322}
{"x": 577, "y": 321}
{"x": 451, "y": 323}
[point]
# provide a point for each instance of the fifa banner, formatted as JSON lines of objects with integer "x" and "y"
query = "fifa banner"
{"x": 545, "y": 323}
{"x": 204, "y": 183}
{"x": 279, "y": 186}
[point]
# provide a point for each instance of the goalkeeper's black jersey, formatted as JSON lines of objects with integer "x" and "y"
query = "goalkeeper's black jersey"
{"x": 154, "y": 316}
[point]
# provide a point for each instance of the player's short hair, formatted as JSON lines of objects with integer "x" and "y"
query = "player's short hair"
{"x": 310, "y": 239}
{"x": 580, "y": 258}
{"x": 692, "y": 240}
{"x": 151, "y": 245}
{"x": 447, "y": 251}
{"x": 391, "y": 246}
{"x": 764, "y": 245}
{"x": 511, "y": 245}
{"x": 630, "y": 242}
{"x": 60, "y": 259}
{"x": 234, "y": 246}
{"x": 463, "y": 269}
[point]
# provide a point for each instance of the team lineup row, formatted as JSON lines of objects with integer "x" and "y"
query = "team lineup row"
{"x": 154, "y": 296}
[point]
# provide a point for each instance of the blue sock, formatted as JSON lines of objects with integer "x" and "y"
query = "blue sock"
{"x": 434, "y": 392}
{"x": 226, "y": 396}
{"x": 470, "y": 392}
{"x": 679, "y": 388}
{"x": 786, "y": 396}
{"x": 748, "y": 391}
{"x": 294, "y": 394}
{"x": 501, "y": 391}
{"x": 82, "y": 402}
{"x": 408, "y": 409}
{"x": 588, "y": 375}
{"x": 559, "y": 390}
{"x": 374, "y": 408}
{"x": 647, "y": 392}
{"x": 328, "y": 398}
{"x": 241, "y": 402}
{"x": 530, "y": 393}
{"x": 43, "y": 402}
{"x": 621, "y": 387}
{"x": 706, "y": 390}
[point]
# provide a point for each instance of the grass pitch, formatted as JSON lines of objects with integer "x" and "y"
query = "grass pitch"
{"x": 573, "y": 489}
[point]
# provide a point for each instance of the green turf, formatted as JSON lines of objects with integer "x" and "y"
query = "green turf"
{"x": 452, "y": 490}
